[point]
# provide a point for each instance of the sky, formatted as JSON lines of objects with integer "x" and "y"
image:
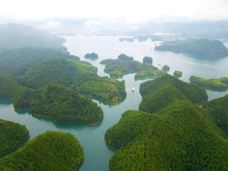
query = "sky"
{"x": 131, "y": 10}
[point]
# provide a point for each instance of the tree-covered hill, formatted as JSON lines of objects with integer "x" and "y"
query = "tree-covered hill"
{"x": 179, "y": 137}
{"x": 217, "y": 84}
{"x": 9, "y": 86}
{"x": 218, "y": 112}
{"x": 51, "y": 150}
{"x": 167, "y": 89}
{"x": 14, "y": 36}
{"x": 60, "y": 104}
{"x": 12, "y": 136}
{"x": 78, "y": 75}
{"x": 18, "y": 61}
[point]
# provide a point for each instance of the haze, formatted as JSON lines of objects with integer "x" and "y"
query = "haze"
{"x": 132, "y": 11}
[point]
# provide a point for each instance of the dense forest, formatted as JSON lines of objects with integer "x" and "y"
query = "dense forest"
{"x": 179, "y": 137}
{"x": 51, "y": 150}
{"x": 78, "y": 75}
{"x": 63, "y": 105}
{"x": 217, "y": 84}
{"x": 124, "y": 65}
{"x": 197, "y": 48}
{"x": 163, "y": 91}
{"x": 12, "y": 136}
{"x": 218, "y": 112}
{"x": 175, "y": 134}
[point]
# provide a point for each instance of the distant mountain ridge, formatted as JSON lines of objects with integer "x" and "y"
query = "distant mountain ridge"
{"x": 14, "y": 36}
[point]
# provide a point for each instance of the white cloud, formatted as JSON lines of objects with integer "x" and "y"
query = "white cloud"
{"x": 133, "y": 10}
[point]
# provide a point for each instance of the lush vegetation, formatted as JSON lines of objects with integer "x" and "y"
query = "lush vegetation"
{"x": 12, "y": 136}
{"x": 198, "y": 48}
{"x": 91, "y": 56}
{"x": 8, "y": 86}
{"x": 218, "y": 112}
{"x": 220, "y": 84}
{"x": 105, "y": 89}
{"x": 80, "y": 76}
{"x": 14, "y": 36}
{"x": 148, "y": 71}
{"x": 147, "y": 60}
{"x": 117, "y": 68}
{"x": 49, "y": 151}
{"x": 54, "y": 70}
{"x": 167, "y": 89}
{"x": 179, "y": 137}
{"x": 177, "y": 74}
{"x": 60, "y": 104}
{"x": 18, "y": 61}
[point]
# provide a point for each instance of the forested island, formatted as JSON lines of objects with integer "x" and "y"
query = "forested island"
{"x": 174, "y": 135}
{"x": 60, "y": 104}
{"x": 204, "y": 49}
{"x": 216, "y": 84}
{"x": 124, "y": 65}
{"x": 91, "y": 56}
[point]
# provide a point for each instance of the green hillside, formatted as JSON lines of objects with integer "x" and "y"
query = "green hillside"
{"x": 167, "y": 89}
{"x": 60, "y": 104}
{"x": 51, "y": 150}
{"x": 179, "y": 137}
{"x": 12, "y": 136}
{"x": 218, "y": 112}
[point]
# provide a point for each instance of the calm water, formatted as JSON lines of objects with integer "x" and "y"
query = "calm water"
{"x": 97, "y": 154}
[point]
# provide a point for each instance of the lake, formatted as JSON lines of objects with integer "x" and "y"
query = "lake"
{"x": 97, "y": 155}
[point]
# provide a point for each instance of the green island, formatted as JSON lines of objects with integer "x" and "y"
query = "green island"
{"x": 204, "y": 49}
{"x": 218, "y": 112}
{"x": 91, "y": 56}
{"x": 147, "y": 60}
{"x": 159, "y": 93}
{"x": 12, "y": 136}
{"x": 60, "y": 104}
{"x": 220, "y": 84}
{"x": 124, "y": 65}
{"x": 52, "y": 150}
{"x": 177, "y": 74}
{"x": 170, "y": 132}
